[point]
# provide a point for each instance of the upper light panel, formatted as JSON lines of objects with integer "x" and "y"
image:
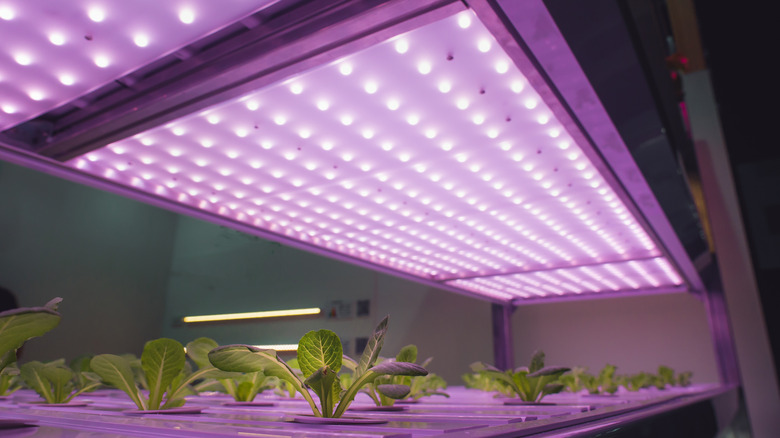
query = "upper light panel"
{"x": 54, "y": 51}
{"x": 428, "y": 154}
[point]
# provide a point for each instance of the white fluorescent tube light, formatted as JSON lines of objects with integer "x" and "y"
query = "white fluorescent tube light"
{"x": 279, "y": 347}
{"x": 253, "y": 315}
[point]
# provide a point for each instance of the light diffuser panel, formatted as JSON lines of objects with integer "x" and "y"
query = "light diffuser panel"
{"x": 54, "y": 51}
{"x": 429, "y": 154}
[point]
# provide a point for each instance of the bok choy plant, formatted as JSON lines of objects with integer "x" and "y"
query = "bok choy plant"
{"x": 320, "y": 357}
{"x": 384, "y": 391}
{"x": 531, "y": 384}
{"x": 243, "y": 387}
{"x": 19, "y": 325}
{"x": 55, "y": 382}
{"x": 163, "y": 374}
{"x": 9, "y": 380}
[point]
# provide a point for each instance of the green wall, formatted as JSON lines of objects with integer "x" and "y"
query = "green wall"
{"x": 106, "y": 256}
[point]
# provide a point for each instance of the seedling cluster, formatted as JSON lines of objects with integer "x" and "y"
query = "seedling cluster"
{"x": 533, "y": 383}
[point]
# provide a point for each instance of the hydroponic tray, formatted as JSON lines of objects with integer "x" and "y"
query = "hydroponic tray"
{"x": 467, "y": 412}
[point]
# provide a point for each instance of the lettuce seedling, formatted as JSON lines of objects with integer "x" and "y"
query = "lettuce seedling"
{"x": 638, "y": 381}
{"x": 163, "y": 367}
{"x": 384, "y": 391}
{"x": 665, "y": 376}
{"x": 243, "y": 387}
{"x": 9, "y": 380}
{"x": 19, "y": 325}
{"x": 320, "y": 356}
{"x": 684, "y": 378}
{"x": 483, "y": 381}
{"x": 574, "y": 380}
{"x": 531, "y": 384}
{"x": 55, "y": 382}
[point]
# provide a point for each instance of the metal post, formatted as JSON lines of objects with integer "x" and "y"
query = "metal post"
{"x": 503, "y": 350}
{"x": 720, "y": 326}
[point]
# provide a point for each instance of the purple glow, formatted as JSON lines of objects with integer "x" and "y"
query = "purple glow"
{"x": 55, "y": 51}
{"x": 441, "y": 168}
{"x": 609, "y": 277}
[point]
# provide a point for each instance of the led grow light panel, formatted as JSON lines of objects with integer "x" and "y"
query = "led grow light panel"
{"x": 428, "y": 154}
{"x": 54, "y": 51}
{"x": 628, "y": 276}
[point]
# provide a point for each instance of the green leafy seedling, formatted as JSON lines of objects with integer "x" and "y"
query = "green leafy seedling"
{"x": 386, "y": 390}
{"x": 55, "y": 382}
{"x": 638, "y": 381}
{"x": 574, "y": 380}
{"x": 684, "y": 378}
{"x": 19, "y": 325}
{"x": 320, "y": 357}
{"x": 607, "y": 381}
{"x": 9, "y": 380}
{"x": 529, "y": 384}
{"x": 162, "y": 365}
{"x": 243, "y": 387}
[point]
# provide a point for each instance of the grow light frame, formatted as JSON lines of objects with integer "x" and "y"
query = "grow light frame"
{"x": 168, "y": 97}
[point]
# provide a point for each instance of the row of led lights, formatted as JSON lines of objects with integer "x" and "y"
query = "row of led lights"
{"x": 467, "y": 240}
{"x": 550, "y": 284}
{"x": 96, "y": 14}
{"x": 219, "y": 187}
{"x": 268, "y": 219}
{"x": 345, "y": 242}
{"x": 293, "y": 90}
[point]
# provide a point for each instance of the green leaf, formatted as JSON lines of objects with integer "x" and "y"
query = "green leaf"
{"x": 33, "y": 375}
{"x": 373, "y": 347}
{"x": 19, "y": 325}
{"x": 318, "y": 349}
{"x": 7, "y": 359}
{"x": 198, "y": 351}
{"x": 407, "y": 354}
{"x": 162, "y": 360}
{"x": 249, "y": 359}
{"x": 348, "y": 363}
{"x": 115, "y": 371}
{"x": 395, "y": 392}
{"x": 385, "y": 368}
{"x": 549, "y": 371}
{"x": 60, "y": 378}
{"x": 399, "y": 369}
{"x": 537, "y": 361}
{"x": 325, "y": 383}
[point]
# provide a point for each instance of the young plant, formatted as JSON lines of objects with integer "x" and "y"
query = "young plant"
{"x": 320, "y": 356}
{"x": 243, "y": 387}
{"x": 665, "y": 377}
{"x": 163, "y": 374}
{"x": 638, "y": 381}
{"x": 483, "y": 381}
{"x": 9, "y": 380}
{"x": 19, "y": 325}
{"x": 384, "y": 391}
{"x": 574, "y": 380}
{"x": 684, "y": 378}
{"x": 55, "y": 382}
{"x": 530, "y": 384}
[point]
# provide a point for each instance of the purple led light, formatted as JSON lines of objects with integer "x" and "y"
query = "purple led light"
{"x": 629, "y": 276}
{"x": 55, "y": 51}
{"x": 428, "y": 153}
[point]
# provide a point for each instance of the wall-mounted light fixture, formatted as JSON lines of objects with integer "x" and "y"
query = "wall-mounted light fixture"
{"x": 252, "y": 315}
